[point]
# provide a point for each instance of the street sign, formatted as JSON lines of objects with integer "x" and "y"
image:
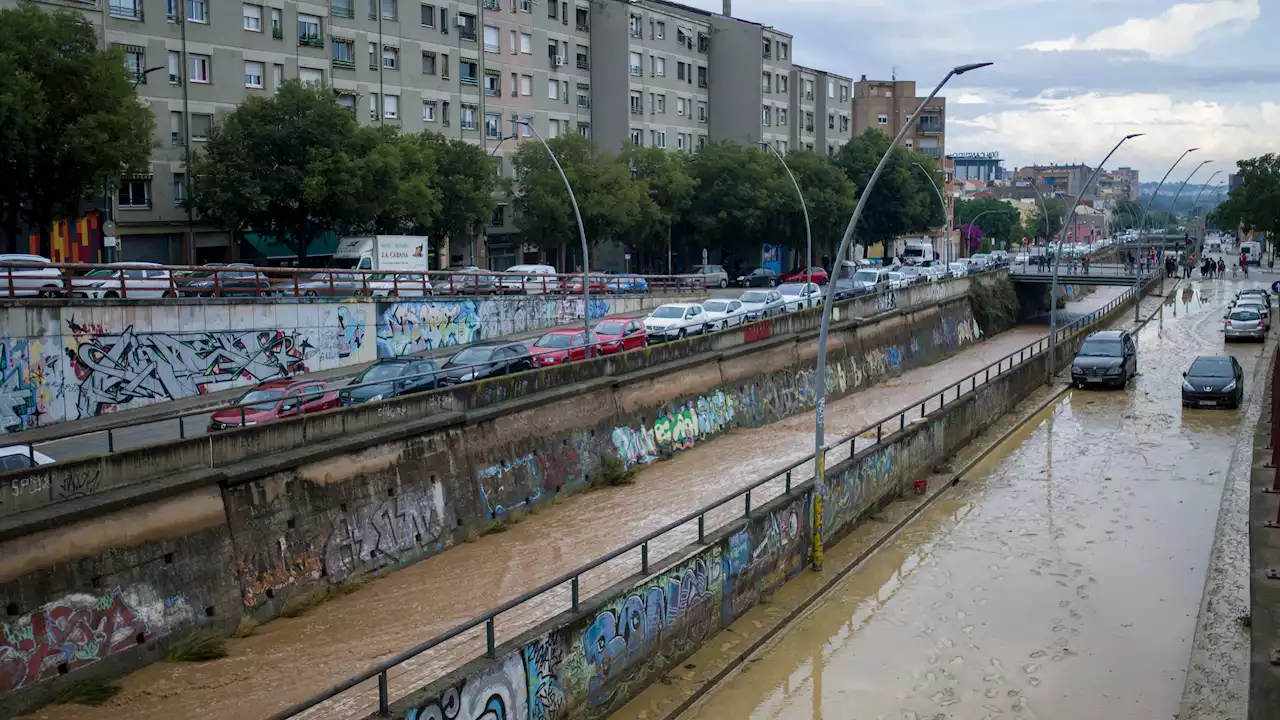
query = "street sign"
{"x": 108, "y": 241}
{"x": 108, "y": 228}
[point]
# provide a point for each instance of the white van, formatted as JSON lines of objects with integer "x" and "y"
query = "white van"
{"x": 1252, "y": 251}
{"x": 531, "y": 280}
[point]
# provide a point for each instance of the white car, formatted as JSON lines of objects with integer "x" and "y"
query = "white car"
{"x": 1021, "y": 258}
{"x": 125, "y": 279}
{"x": 761, "y": 304}
{"x": 724, "y": 313}
{"x": 20, "y": 281}
{"x": 958, "y": 269}
{"x": 398, "y": 285}
{"x": 797, "y": 296}
{"x": 531, "y": 280}
{"x": 897, "y": 280}
{"x": 19, "y": 457}
{"x": 676, "y": 320}
{"x": 934, "y": 273}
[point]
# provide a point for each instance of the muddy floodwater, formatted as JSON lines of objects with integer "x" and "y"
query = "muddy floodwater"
{"x": 1061, "y": 580}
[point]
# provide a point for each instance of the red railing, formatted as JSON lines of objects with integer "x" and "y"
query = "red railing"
{"x": 144, "y": 281}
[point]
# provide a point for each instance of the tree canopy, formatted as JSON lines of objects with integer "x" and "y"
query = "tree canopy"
{"x": 1254, "y": 206}
{"x": 70, "y": 121}
{"x": 902, "y": 201}
{"x": 999, "y": 221}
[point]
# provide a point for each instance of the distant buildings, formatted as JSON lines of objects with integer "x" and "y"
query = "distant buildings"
{"x": 887, "y": 105}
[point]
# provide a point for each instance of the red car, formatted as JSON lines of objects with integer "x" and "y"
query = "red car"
{"x": 798, "y": 275}
{"x": 274, "y": 400}
{"x": 620, "y": 334}
{"x": 561, "y": 346}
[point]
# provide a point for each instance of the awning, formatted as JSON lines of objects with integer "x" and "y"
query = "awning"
{"x": 270, "y": 248}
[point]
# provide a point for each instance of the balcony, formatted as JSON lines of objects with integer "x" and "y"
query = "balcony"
{"x": 344, "y": 64}
{"x": 492, "y": 5}
{"x": 340, "y": 10}
{"x": 277, "y": 33}
{"x": 637, "y": 110}
{"x": 467, "y": 34}
{"x": 636, "y": 71}
{"x": 929, "y": 128}
{"x": 469, "y": 81}
{"x": 126, "y": 11}
{"x": 582, "y": 62}
{"x": 175, "y": 79}
{"x": 930, "y": 151}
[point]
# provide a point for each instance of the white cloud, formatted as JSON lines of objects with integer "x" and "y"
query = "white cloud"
{"x": 1084, "y": 127}
{"x": 1175, "y": 31}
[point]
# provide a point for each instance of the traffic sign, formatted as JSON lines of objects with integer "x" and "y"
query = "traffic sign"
{"x": 109, "y": 227}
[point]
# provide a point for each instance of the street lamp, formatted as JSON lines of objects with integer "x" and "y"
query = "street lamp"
{"x": 582, "y": 235}
{"x": 942, "y": 201}
{"x": 143, "y": 75}
{"x": 1174, "y": 207}
{"x": 1142, "y": 225}
{"x": 974, "y": 221}
{"x": 819, "y": 436}
{"x": 1196, "y": 204}
{"x": 808, "y": 234}
{"x": 1057, "y": 258}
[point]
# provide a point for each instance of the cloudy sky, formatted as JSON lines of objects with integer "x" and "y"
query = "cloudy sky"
{"x": 1070, "y": 78}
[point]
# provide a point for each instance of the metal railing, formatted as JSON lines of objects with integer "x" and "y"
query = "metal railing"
{"x": 125, "y": 280}
{"x": 679, "y": 533}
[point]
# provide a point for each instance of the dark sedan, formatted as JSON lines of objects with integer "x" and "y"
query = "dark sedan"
{"x": 485, "y": 360}
{"x": 392, "y": 378}
{"x": 1213, "y": 381}
{"x": 759, "y": 277}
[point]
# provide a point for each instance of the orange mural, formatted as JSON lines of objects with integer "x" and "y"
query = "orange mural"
{"x": 73, "y": 241}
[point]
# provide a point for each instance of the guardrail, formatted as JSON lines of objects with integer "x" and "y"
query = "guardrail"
{"x": 672, "y": 535}
{"x": 148, "y": 280}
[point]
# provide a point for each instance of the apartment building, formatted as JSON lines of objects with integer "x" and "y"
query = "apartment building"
{"x": 1064, "y": 181}
{"x": 821, "y": 100}
{"x": 887, "y": 105}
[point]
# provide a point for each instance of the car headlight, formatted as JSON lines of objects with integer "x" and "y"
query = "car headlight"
{"x": 1187, "y": 386}
{"x": 464, "y": 377}
{"x": 1115, "y": 370}
{"x": 1229, "y": 386}
{"x": 96, "y": 284}
{"x": 375, "y": 398}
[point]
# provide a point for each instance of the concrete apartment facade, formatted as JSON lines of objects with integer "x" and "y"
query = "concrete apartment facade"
{"x": 887, "y": 105}
{"x": 824, "y": 111}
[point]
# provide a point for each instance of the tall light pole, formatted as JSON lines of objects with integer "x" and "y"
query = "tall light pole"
{"x": 1057, "y": 258}
{"x": 1196, "y": 204}
{"x": 582, "y": 234}
{"x": 1142, "y": 225}
{"x": 1044, "y": 210}
{"x": 1174, "y": 207}
{"x": 820, "y": 382}
{"x": 943, "y": 202}
{"x": 808, "y": 233}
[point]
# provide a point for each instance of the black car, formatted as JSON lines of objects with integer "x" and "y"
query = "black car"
{"x": 1107, "y": 357}
{"x": 759, "y": 277}
{"x": 392, "y": 378}
{"x": 1213, "y": 381}
{"x": 484, "y": 360}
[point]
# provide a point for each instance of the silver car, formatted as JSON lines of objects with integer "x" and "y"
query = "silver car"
{"x": 761, "y": 304}
{"x": 1245, "y": 323}
{"x": 712, "y": 275}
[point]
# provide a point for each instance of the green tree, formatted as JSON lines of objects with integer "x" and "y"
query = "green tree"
{"x": 901, "y": 202}
{"x": 293, "y": 166}
{"x": 668, "y": 186}
{"x": 467, "y": 183}
{"x": 1000, "y": 221}
{"x": 1254, "y": 206}
{"x": 742, "y": 197}
{"x": 1038, "y": 226}
{"x": 830, "y": 196}
{"x": 395, "y": 182}
{"x": 69, "y": 118}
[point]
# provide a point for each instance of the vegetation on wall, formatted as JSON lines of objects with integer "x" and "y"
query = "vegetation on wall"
{"x": 994, "y": 304}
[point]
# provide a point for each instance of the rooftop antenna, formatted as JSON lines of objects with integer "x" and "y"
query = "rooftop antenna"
{"x": 894, "y": 73}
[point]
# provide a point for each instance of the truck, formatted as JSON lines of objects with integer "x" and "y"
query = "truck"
{"x": 387, "y": 253}
{"x": 918, "y": 252}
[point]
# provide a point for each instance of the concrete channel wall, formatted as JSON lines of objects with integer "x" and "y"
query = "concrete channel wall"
{"x": 246, "y": 537}
{"x": 589, "y": 663}
{"x": 74, "y": 359}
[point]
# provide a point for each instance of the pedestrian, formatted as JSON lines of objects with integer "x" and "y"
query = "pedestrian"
{"x": 1222, "y": 268}
{"x": 1085, "y": 262}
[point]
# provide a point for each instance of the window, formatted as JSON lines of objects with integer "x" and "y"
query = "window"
{"x": 553, "y": 128}
{"x": 444, "y": 66}
{"x": 526, "y": 6}
{"x": 201, "y": 125}
{"x": 766, "y": 116}
{"x": 390, "y": 10}
{"x": 467, "y": 117}
{"x": 198, "y": 68}
{"x": 808, "y": 121}
{"x": 428, "y": 16}
{"x": 782, "y": 50}
{"x": 659, "y": 138}
{"x": 660, "y": 30}
{"x": 171, "y": 9}
{"x": 844, "y": 92}
{"x": 831, "y": 90}
{"x": 662, "y": 103}
{"x": 768, "y": 49}
{"x": 553, "y": 90}
{"x": 373, "y": 106}
{"x": 844, "y": 123}
{"x": 584, "y": 129}
{"x": 175, "y": 128}
{"x": 637, "y": 68}
{"x": 309, "y": 31}
{"x": 551, "y": 10}
{"x": 277, "y": 25}
{"x": 680, "y": 104}
{"x": 428, "y": 62}
{"x": 128, "y": 9}
{"x": 515, "y": 85}
{"x": 582, "y": 58}
{"x": 808, "y": 89}
{"x": 637, "y": 103}
{"x": 467, "y": 72}
{"x": 492, "y": 125}
{"x": 584, "y": 95}
{"x": 444, "y": 21}
{"x": 514, "y": 42}
{"x": 702, "y": 111}
{"x": 348, "y": 102}
{"x": 429, "y": 110}
{"x": 253, "y": 18}
{"x": 526, "y": 43}
{"x": 342, "y": 8}
{"x": 467, "y": 26}
{"x": 175, "y": 67}
{"x": 253, "y": 74}
{"x": 702, "y": 76}
{"x": 637, "y": 137}
{"x": 390, "y": 58}
{"x": 526, "y": 84}
{"x": 178, "y": 180}
{"x": 831, "y": 121}
{"x": 782, "y": 83}
{"x": 277, "y": 76}
{"x": 492, "y": 83}
{"x": 491, "y": 42}
{"x": 135, "y": 63}
{"x": 134, "y": 194}
{"x": 499, "y": 212}
{"x": 311, "y": 76}
{"x": 766, "y": 82}
{"x": 651, "y": 104}
{"x": 526, "y": 126}
{"x": 782, "y": 117}
{"x": 580, "y": 22}
{"x": 637, "y": 29}
{"x": 391, "y": 106}
{"x": 680, "y": 145}
{"x": 680, "y": 75}
{"x": 660, "y": 68}
{"x": 882, "y": 119}
{"x": 344, "y": 53}
{"x": 782, "y": 146}
{"x": 198, "y": 11}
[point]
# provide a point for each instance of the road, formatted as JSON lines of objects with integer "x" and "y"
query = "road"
{"x": 1062, "y": 580}
{"x": 338, "y": 639}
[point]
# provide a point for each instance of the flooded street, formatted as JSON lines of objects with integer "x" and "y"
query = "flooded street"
{"x": 289, "y": 659}
{"x": 1062, "y": 579}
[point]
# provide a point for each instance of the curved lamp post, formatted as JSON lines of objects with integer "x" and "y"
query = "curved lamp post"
{"x": 819, "y": 435}
{"x": 942, "y": 201}
{"x": 1057, "y": 259}
{"x": 974, "y": 221}
{"x": 1196, "y": 204}
{"x": 1142, "y": 225}
{"x": 1044, "y": 211}
{"x": 1174, "y": 207}
{"x": 582, "y": 235}
{"x": 808, "y": 233}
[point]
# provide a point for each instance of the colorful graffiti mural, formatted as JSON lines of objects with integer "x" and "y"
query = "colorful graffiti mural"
{"x": 763, "y": 555}
{"x": 377, "y": 535}
{"x": 854, "y": 490}
{"x": 411, "y": 327}
{"x": 27, "y": 384}
{"x": 495, "y": 695}
{"x": 511, "y": 484}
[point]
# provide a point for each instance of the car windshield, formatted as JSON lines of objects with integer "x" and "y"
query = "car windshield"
{"x": 791, "y": 289}
{"x": 755, "y": 297}
{"x": 866, "y": 276}
{"x": 261, "y": 399}
{"x": 379, "y": 372}
{"x": 553, "y": 341}
{"x": 668, "y": 312}
{"x": 609, "y": 328}
{"x": 471, "y": 356}
{"x": 1245, "y": 315}
{"x": 101, "y": 272}
{"x": 716, "y": 306}
{"x": 1214, "y": 367}
{"x": 1101, "y": 348}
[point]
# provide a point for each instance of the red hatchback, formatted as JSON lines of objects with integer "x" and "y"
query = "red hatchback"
{"x": 275, "y": 400}
{"x": 620, "y": 334}
{"x": 798, "y": 276}
{"x": 561, "y": 346}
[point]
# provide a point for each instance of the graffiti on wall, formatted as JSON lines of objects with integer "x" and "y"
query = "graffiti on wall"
{"x": 27, "y": 384}
{"x": 411, "y": 327}
{"x": 382, "y": 534}
{"x": 545, "y": 686}
{"x": 762, "y": 556}
{"x": 634, "y": 446}
{"x": 350, "y": 335}
{"x": 682, "y": 427}
{"x": 952, "y": 334}
{"x": 80, "y": 629}
{"x": 497, "y": 694}
{"x": 511, "y": 484}
{"x": 859, "y": 486}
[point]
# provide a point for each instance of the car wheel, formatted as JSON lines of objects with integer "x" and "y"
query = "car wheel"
{"x": 111, "y": 294}
{"x": 724, "y": 283}
{"x": 49, "y": 292}
{"x": 309, "y": 293}
{"x": 772, "y": 282}
{"x": 680, "y": 335}
{"x": 168, "y": 294}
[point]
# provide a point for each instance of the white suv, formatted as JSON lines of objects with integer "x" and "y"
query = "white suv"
{"x": 675, "y": 321}
{"x": 26, "y": 281}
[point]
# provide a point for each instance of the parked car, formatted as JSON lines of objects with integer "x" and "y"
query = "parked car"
{"x": 980, "y": 262}
{"x": 20, "y": 457}
{"x": 625, "y": 284}
{"x": 1245, "y": 323}
{"x": 958, "y": 269}
{"x": 713, "y": 275}
{"x": 912, "y": 274}
{"x": 533, "y": 279}
{"x": 813, "y": 274}
{"x": 1255, "y": 303}
{"x": 235, "y": 279}
{"x": 1106, "y": 357}
{"x": 674, "y": 321}
{"x": 797, "y": 296}
{"x": 138, "y": 280}
{"x": 326, "y": 284}
{"x": 561, "y": 346}
{"x": 484, "y": 360}
{"x": 870, "y": 279}
{"x": 897, "y": 280}
{"x": 466, "y": 280}
{"x": 43, "y": 281}
{"x": 934, "y": 273}
{"x": 392, "y": 377}
{"x": 398, "y": 285}
{"x": 1213, "y": 380}
{"x": 758, "y": 277}
{"x": 275, "y": 400}
{"x": 619, "y": 334}
{"x": 761, "y": 304}
{"x": 724, "y": 313}
{"x": 599, "y": 284}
